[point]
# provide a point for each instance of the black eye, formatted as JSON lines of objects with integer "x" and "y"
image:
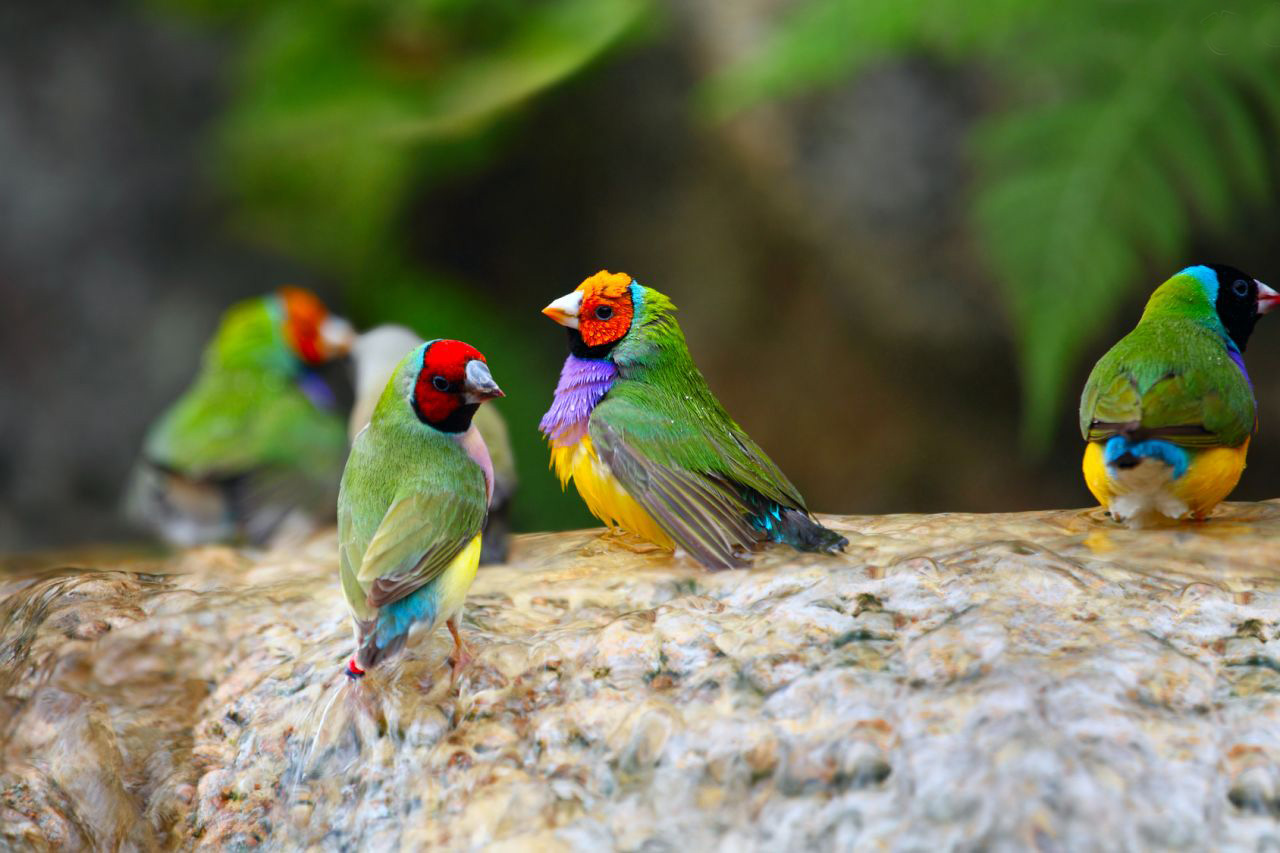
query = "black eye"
{"x": 603, "y": 312}
{"x": 440, "y": 383}
{"x": 1240, "y": 287}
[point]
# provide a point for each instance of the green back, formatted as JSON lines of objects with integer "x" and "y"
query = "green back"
{"x": 245, "y": 410}
{"x": 409, "y": 491}
{"x": 251, "y": 336}
{"x": 662, "y": 403}
{"x": 1172, "y": 376}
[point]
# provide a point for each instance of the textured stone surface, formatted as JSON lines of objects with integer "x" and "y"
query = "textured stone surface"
{"x": 999, "y": 681}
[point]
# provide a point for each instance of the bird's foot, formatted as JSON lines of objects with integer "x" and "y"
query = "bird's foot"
{"x": 462, "y": 656}
{"x": 461, "y": 660}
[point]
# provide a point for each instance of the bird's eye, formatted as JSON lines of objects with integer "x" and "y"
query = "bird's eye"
{"x": 440, "y": 383}
{"x": 603, "y": 312}
{"x": 1240, "y": 287}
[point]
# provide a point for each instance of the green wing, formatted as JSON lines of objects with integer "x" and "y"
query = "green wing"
{"x": 690, "y": 466}
{"x": 1169, "y": 380}
{"x": 231, "y": 422}
{"x": 431, "y": 517}
{"x": 258, "y": 441}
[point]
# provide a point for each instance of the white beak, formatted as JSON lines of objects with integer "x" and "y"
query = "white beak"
{"x": 337, "y": 335}
{"x": 565, "y": 309}
{"x": 1268, "y": 299}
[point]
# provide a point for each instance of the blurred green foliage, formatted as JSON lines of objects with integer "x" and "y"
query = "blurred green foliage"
{"x": 1121, "y": 124}
{"x": 346, "y": 110}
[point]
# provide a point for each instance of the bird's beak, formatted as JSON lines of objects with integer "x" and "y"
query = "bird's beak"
{"x": 565, "y": 309}
{"x": 337, "y": 336}
{"x": 480, "y": 385}
{"x": 1268, "y": 299}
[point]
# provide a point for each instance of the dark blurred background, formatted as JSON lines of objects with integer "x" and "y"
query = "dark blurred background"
{"x": 899, "y": 233}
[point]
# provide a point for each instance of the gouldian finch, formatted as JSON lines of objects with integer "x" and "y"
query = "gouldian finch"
{"x": 647, "y": 444}
{"x": 375, "y": 356}
{"x": 413, "y": 501}
{"x": 1168, "y": 412}
{"x": 258, "y": 438}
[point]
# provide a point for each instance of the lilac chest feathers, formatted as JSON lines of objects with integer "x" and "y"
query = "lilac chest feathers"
{"x": 1238, "y": 358}
{"x": 479, "y": 452}
{"x": 583, "y": 382}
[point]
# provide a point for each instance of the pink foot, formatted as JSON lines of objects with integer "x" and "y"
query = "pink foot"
{"x": 461, "y": 655}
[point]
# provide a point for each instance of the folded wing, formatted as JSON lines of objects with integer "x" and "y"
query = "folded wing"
{"x": 698, "y": 475}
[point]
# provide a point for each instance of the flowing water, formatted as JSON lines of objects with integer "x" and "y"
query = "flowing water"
{"x": 1041, "y": 680}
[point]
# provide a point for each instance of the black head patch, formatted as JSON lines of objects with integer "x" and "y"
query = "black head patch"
{"x": 1237, "y": 303}
{"x": 579, "y": 347}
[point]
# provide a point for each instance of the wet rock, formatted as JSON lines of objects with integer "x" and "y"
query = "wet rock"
{"x": 1033, "y": 680}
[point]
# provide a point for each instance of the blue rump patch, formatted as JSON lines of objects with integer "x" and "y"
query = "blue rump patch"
{"x": 397, "y": 617}
{"x": 768, "y": 522}
{"x": 1170, "y": 454}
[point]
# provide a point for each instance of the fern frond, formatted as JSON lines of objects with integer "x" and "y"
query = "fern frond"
{"x": 1124, "y": 120}
{"x": 827, "y": 40}
{"x": 1159, "y": 131}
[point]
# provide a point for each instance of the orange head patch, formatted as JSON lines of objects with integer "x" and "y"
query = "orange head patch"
{"x": 606, "y": 312}
{"x": 304, "y": 315}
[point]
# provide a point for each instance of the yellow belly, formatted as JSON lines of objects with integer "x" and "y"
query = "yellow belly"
{"x": 455, "y": 581}
{"x": 602, "y": 493}
{"x": 1211, "y": 475}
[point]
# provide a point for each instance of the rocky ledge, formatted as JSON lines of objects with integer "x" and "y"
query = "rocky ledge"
{"x": 1042, "y": 680}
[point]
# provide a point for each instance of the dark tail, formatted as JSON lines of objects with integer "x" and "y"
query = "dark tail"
{"x": 368, "y": 654}
{"x": 801, "y": 532}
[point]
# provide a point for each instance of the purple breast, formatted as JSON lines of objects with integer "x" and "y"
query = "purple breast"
{"x": 1238, "y": 358}
{"x": 583, "y": 381}
{"x": 317, "y": 390}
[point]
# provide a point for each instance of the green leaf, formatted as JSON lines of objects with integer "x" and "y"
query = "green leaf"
{"x": 824, "y": 41}
{"x": 557, "y": 41}
{"x": 1121, "y": 119}
{"x": 344, "y": 104}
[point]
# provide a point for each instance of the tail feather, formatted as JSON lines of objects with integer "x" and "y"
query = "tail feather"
{"x": 181, "y": 511}
{"x": 801, "y": 532}
{"x": 251, "y": 506}
{"x": 369, "y": 652}
{"x": 794, "y": 527}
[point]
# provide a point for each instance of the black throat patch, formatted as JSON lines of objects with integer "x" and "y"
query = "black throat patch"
{"x": 579, "y": 347}
{"x": 459, "y": 420}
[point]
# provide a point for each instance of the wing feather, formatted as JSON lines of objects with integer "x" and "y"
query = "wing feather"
{"x": 701, "y": 509}
{"x": 1171, "y": 381}
{"x": 417, "y": 539}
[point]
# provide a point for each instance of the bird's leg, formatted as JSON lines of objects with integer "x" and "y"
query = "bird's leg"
{"x": 461, "y": 656}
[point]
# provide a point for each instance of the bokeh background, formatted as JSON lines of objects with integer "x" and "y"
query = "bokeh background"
{"x": 899, "y": 232}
